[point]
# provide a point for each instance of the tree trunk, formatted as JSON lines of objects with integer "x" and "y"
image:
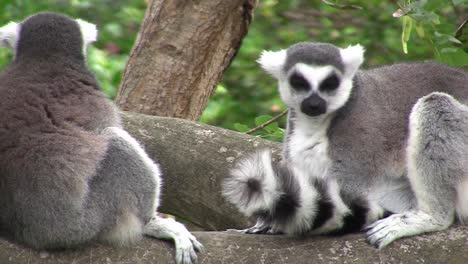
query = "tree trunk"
{"x": 226, "y": 247}
{"x": 181, "y": 52}
{"x": 194, "y": 158}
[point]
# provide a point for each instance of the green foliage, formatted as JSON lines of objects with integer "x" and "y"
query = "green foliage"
{"x": 271, "y": 131}
{"x": 435, "y": 27}
{"x": 107, "y": 68}
{"x": 247, "y": 96}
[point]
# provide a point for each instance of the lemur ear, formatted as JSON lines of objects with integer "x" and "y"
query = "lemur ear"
{"x": 88, "y": 30}
{"x": 9, "y": 35}
{"x": 353, "y": 57}
{"x": 272, "y": 62}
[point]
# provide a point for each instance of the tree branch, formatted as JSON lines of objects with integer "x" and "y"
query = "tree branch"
{"x": 274, "y": 119}
{"x": 195, "y": 159}
{"x": 226, "y": 247}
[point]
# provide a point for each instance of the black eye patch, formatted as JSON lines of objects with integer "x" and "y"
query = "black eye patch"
{"x": 298, "y": 82}
{"x": 330, "y": 83}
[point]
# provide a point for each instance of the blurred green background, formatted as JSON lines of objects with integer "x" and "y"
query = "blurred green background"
{"x": 247, "y": 96}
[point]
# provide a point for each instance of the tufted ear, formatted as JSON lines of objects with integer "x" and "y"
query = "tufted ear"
{"x": 272, "y": 62}
{"x": 352, "y": 57}
{"x": 88, "y": 30}
{"x": 9, "y": 35}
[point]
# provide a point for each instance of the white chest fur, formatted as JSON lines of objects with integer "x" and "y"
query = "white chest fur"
{"x": 308, "y": 146}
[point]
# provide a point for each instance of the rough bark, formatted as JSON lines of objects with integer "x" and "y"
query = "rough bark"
{"x": 180, "y": 54}
{"x": 195, "y": 158}
{"x": 225, "y": 247}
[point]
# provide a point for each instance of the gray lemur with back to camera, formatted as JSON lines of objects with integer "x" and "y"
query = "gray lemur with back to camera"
{"x": 384, "y": 149}
{"x": 69, "y": 173}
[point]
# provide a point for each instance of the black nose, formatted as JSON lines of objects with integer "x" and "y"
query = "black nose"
{"x": 314, "y": 105}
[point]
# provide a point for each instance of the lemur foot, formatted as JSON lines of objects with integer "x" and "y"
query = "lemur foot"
{"x": 383, "y": 232}
{"x": 186, "y": 244}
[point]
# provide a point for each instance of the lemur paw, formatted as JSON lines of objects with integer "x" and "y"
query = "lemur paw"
{"x": 411, "y": 223}
{"x": 383, "y": 232}
{"x": 185, "y": 251}
{"x": 186, "y": 245}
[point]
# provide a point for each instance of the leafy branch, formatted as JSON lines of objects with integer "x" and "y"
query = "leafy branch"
{"x": 265, "y": 124}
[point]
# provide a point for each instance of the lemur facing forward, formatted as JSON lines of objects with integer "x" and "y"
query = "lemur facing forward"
{"x": 69, "y": 173}
{"x": 360, "y": 145}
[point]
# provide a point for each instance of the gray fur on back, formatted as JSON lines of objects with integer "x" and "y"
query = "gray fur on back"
{"x": 69, "y": 174}
{"x": 51, "y": 147}
{"x": 368, "y": 135}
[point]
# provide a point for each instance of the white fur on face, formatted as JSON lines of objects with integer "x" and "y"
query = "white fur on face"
{"x": 315, "y": 75}
{"x": 352, "y": 57}
{"x": 9, "y": 35}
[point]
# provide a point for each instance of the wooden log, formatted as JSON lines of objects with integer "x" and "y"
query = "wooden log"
{"x": 225, "y": 247}
{"x": 195, "y": 158}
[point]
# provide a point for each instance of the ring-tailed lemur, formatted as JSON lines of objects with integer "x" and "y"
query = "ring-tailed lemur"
{"x": 69, "y": 173}
{"x": 358, "y": 147}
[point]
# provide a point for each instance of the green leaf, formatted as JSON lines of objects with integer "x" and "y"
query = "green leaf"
{"x": 272, "y": 128}
{"x": 405, "y": 34}
{"x": 220, "y": 89}
{"x": 241, "y": 127}
{"x": 443, "y": 39}
{"x": 419, "y": 29}
{"x": 262, "y": 119}
{"x": 453, "y": 56}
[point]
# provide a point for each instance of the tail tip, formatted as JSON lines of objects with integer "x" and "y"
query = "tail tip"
{"x": 254, "y": 185}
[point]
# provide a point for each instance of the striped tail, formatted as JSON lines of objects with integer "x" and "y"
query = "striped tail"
{"x": 284, "y": 202}
{"x": 253, "y": 185}
{"x": 269, "y": 192}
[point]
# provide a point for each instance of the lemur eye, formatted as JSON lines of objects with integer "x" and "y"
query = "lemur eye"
{"x": 330, "y": 83}
{"x": 298, "y": 82}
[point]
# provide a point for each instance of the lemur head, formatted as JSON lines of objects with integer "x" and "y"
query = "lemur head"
{"x": 47, "y": 35}
{"x": 315, "y": 78}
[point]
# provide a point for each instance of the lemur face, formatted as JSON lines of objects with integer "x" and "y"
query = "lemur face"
{"x": 314, "y": 78}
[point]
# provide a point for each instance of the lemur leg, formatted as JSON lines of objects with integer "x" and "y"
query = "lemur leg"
{"x": 436, "y": 159}
{"x": 134, "y": 158}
